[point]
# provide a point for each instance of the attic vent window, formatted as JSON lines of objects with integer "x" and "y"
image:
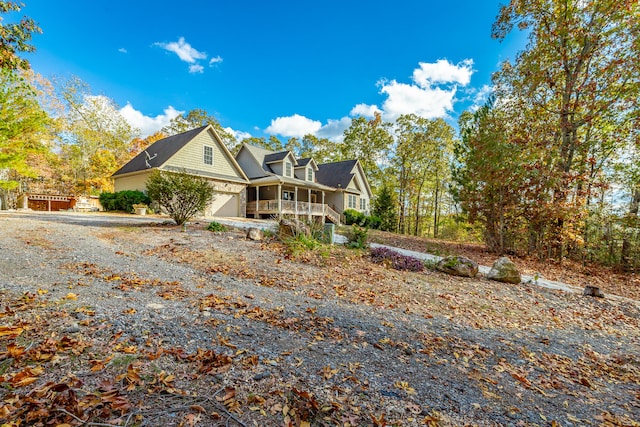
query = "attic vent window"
{"x": 208, "y": 155}
{"x": 287, "y": 171}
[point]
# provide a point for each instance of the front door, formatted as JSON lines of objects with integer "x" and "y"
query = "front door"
{"x": 314, "y": 198}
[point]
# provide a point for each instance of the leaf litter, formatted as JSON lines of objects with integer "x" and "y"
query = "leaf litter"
{"x": 151, "y": 326}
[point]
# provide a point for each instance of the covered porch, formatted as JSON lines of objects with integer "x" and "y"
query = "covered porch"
{"x": 281, "y": 198}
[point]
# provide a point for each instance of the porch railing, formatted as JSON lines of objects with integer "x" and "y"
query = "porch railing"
{"x": 291, "y": 207}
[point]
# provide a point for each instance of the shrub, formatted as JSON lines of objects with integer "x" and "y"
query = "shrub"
{"x": 373, "y": 222}
{"x": 352, "y": 216}
{"x": 123, "y": 200}
{"x": 397, "y": 260}
{"x": 216, "y": 226}
{"x": 358, "y": 237}
{"x": 180, "y": 194}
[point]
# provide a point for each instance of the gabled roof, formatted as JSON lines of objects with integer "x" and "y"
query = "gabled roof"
{"x": 275, "y": 157}
{"x": 264, "y": 157}
{"x": 336, "y": 174}
{"x": 304, "y": 162}
{"x": 159, "y": 152}
{"x": 340, "y": 174}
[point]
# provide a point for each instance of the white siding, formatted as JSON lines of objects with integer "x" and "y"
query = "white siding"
{"x": 191, "y": 156}
{"x": 133, "y": 182}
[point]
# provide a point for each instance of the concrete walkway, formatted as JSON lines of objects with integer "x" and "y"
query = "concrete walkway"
{"x": 246, "y": 223}
{"x": 549, "y": 284}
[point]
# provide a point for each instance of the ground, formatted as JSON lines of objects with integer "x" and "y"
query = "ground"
{"x": 129, "y": 321}
{"x": 567, "y": 271}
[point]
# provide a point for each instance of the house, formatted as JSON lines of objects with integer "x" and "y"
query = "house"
{"x": 281, "y": 184}
{"x": 350, "y": 184}
{"x": 259, "y": 183}
{"x": 200, "y": 152}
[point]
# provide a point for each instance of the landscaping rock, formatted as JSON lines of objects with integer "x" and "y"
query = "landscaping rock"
{"x": 293, "y": 227}
{"x": 504, "y": 270}
{"x": 255, "y": 234}
{"x": 458, "y": 266}
{"x": 593, "y": 291}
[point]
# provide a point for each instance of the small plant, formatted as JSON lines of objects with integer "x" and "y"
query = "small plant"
{"x": 358, "y": 237}
{"x": 396, "y": 260}
{"x": 216, "y": 227}
{"x": 300, "y": 237}
{"x": 268, "y": 233}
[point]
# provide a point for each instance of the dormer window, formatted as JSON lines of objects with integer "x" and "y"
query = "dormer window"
{"x": 208, "y": 155}
{"x": 287, "y": 169}
{"x": 309, "y": 174}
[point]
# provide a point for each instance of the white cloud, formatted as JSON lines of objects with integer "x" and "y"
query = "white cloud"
{"x": 122, "y": 50}
{"x": 432, "y": 93}
{"x": 404, "y": 98}
{"x": 184, "y": 50}
{"x": 442, "y": 71}
{"x": 365, "y": 110}
{"x": 481, "y": 97}
{"x": 148, "y": 125}
{"x": 238, "y": 134}
{"x": 334, "y": 129}
{"x": 293, "y": 126}
{"x": 196, "y": 68}
{"x": 188, "y": 54}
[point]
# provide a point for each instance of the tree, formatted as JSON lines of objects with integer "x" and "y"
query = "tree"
{"x": 487, "y": 172}
{"x": 15, "y": 37}
{"x": 23, "y": 132}
{"x": 273, "y": 143}
{"x": 197, "y": 118}
{"x": 421, "y": 160}
{"x": 384, "y": 207}
{"x": 182, "y": 195}
{"x": 96, "y": 137}
{"x": 368, "y": 141}
{"x": 576, "y": 81}
{"x": 321, "y": 149}
{"x": 139, "y": 144}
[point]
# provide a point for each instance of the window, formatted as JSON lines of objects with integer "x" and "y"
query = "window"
{"x": 287, "y": 169}
{"x": 208, "y": 155}
{"x": 309, "y": 174}
{"x": 288, "y": 195}
{"x": 352, "y": 201}
{"x": 363, "y": 204}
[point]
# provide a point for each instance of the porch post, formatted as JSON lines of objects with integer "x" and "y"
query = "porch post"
{"x": 279, "y": 201}
{"x": 257, "y": 213}
{"x": 324, "y": 208}
{"x": 309, "y": 204}
{"x": 295, "y": 198}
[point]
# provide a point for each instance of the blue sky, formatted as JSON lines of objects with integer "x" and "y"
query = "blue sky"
{"x": 282, "y": 67}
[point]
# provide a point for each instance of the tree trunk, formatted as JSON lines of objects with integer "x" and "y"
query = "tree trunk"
{"x": 435, "y": 208}
{"x": 626, "y": 261}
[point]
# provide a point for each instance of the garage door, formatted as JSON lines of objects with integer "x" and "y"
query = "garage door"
{"x": 225, "y": 204}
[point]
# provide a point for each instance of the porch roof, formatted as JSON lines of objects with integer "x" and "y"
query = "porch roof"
{"x": 277, "y": 179}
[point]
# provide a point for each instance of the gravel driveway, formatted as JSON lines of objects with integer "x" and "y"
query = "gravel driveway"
{"x": 201, "y": 328}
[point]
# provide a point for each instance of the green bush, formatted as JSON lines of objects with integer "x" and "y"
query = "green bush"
{"x": 352, "y": 216}
{"x": 358, "y": 237}
{"x": 373, "y": 221}
{"x": 180, "y": 194}
{"x": 123, "y": 200}
{"x": 216, "y": 226}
